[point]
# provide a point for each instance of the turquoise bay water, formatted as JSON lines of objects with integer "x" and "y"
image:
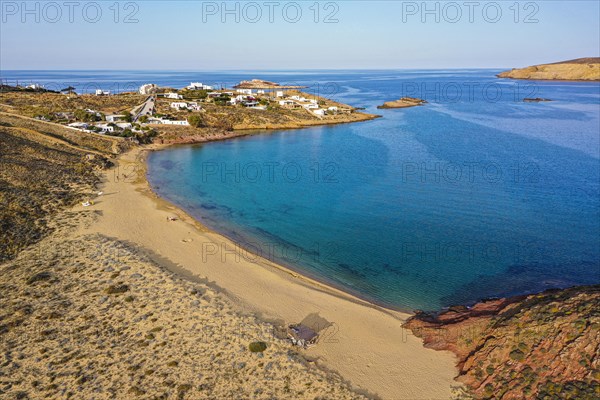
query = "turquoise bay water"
{"x": 477, "y": 194}
{"x": 465, "y": 198}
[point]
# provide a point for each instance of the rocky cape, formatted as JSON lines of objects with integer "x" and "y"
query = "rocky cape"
{"x": 538, "y": 346}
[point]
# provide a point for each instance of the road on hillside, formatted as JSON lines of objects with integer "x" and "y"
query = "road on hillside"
{"x": 147, "y": 108}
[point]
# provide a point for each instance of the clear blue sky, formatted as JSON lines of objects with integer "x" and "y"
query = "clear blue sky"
{"x": 190, "y": 35}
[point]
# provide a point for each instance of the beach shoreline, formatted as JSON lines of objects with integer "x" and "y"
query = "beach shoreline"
{"x": 364, "y": 342}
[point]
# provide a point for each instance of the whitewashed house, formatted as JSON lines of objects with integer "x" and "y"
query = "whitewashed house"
{"x": 114, "y": 118}
{"x": 244, "y": 91}
{"x": 162, "y": 121}
{"x": 171, "y": 122}
{"x": 79, "y": 125}
{"x": 105, "y": 128}
{"x": 289, "y": 104}
{"x": 179, "y": 105}
{"x": 319, "y": 112}
{"x": 198, "y": 86}
{"x": 148, "y": 88}
{"x": 100, "y": 92}
{"x": 194, "y": 86}
{"x": 172, "y": 95}
{"x": 310, "y": 106}
{"x": 34, "y": 86}
{"x": 279, "y": 93}
{"x": 124, "y": 125}
{"x": 238, "y": 99}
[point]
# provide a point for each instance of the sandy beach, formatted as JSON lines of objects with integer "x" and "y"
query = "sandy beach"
{"x": 364, "y": 343}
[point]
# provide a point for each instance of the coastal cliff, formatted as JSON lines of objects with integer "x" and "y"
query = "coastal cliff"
{"x": 541, "y": 346}
{"x": 581, "y": 69}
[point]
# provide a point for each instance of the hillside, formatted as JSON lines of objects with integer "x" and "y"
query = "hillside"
{"x": 581, "y": 69}
{"x": 86, "y": 316}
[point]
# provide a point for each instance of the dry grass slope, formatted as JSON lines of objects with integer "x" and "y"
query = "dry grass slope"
{"x": 36, "y": 181}
{"x": 88, "y": 317}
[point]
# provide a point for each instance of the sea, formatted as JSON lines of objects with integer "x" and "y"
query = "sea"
{"x": 476, "y": 194}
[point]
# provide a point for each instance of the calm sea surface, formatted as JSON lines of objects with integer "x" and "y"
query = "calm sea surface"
{"x": 477, "y": 194}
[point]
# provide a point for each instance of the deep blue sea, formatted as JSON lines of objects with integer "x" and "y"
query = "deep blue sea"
{"x": 476, "y": 194}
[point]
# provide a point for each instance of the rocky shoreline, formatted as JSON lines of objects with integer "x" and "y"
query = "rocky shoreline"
{"x": 404, "y": 102}
{"x": 541, "y": 345}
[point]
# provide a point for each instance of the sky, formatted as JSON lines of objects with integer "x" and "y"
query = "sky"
{"x": 294, "y": 35}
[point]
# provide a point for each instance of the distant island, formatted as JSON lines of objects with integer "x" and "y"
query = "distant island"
{"x": 403, "y": 103}
{"x": 581, "y": 69}
{"x": 535, "y": 100}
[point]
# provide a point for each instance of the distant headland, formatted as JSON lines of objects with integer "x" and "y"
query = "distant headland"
{"x": 581, "y": 69}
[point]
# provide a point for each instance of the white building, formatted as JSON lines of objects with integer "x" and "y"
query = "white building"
{"x": 114, "y": 118}
{"x": 244, "y": 91}
{"x": 238, "y": 99}
{"x": 79, "y": 125}
{"x": 105, "y": 128}
{"x": 333, "y": 109}
{"x": 198, "y": 86}
{"x": 161, "y": 121}
{"x": 310, "y": 106}
{"x": 124, "y": 125}
{"x": 34, "y": 86}
{"x": 100, "y": 92}
{"x": 179, "y": 105}
{"x": 319, "y": 112}
{"x": 289, "y": 104}
{"x": 173, "y": 96}
{"x": 171, "y": 122}
{"x": 194, "y": 106}
{"x": 279, "y": 93}
{"x": 148, "y": 88}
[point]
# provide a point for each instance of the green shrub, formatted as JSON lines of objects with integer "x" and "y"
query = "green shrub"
{"x": 117, "y": 289}
{"x": 257, "y": 347}
{"x": 517, "y": 355}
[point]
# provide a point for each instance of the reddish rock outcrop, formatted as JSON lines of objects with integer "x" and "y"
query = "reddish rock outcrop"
{"x": 537, "y": 346}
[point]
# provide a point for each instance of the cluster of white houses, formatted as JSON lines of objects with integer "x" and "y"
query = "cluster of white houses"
{"x": 245, "y": 96}
{"x": 111, "y": 124}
